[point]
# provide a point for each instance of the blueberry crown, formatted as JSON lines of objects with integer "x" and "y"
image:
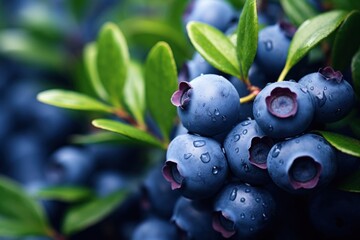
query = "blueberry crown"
{"x": 288, "y": 29}
{"x": 181, "y": 97}
{"x": 330, "y": 74}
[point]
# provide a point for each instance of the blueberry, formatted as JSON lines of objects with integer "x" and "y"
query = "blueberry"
{"x": 193, "y": 218}
{"x": 334, "y": 97}
{"x": 69, "y": 165}
{"x": 208, "y": 105}
{"x": 246, "y": 147}
{"x": 243, "y": 211}
{"x": 217, "y": 13}
{"x": 283, "y": 109}
{"x": 273, "y": 45}
{"x": 195, "y": 165}
{"x": 154, "y": 228}
{"x": 106, "y": 182}
{"x": 302, "y": 164}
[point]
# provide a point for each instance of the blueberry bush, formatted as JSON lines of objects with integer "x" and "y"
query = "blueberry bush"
{"x": 197, "y": 119}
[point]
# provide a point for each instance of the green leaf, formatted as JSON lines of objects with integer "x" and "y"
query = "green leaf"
{"x": 298, "y": 11}
{"x": 247, "y": 37}
{"x": 342, "y": 143}
{"x": 355, "y": 70}
{"x": 309, "y": 34}
{"x": 90, "y": 56}
{"x": 112, "y": 61}
{"x": 66, "y": 194}
{"x": 351, "y": 183}
{"x": 128, "y": 131}
{"x": 345, "y": 4}
{"x": 82, "y": 216}
{"x": 72, "y": 100}
{"x": 19, "y": 213}
{"x": 347, "y": 42}
{"x": 214, "y": 47}
{"x": 102, "y": 137}
{"x": 134, "y": 92}
{"x": 161, "y": 83}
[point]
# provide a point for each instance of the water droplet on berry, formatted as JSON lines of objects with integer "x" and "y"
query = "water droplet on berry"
{"x": 321, "y": 99}
{"x": 213, "y": 119}
{"x": 265, "y": 217}
{"x": 237, "y": 150}
{"x": 331, "y": 97}
{"x": 233, "y": 194}
{"x": 223, "y": 118}
{"x": 325, "y": 88}
{"x": 242, "y": 215}
{"x": 205, "y": 157}
{"x": 187, "y": 155}
{"x": 281, "y": 162}
{"x": 246, "y": 167}
{"x": 215, "y": 170}
{"x": 216, "y": 112}
{"x": 199, "y": 143}
{"x": 297, "y": 140}
{"x": 319, "y": 146}
{"x": 245, "y": 123}
{"x": 258, "y": 114}
{"x": 209, "y": 113}
{"x": 338, "y": 111}
{"x": 236, "y": 137}
{"x": 312, "y": 88}
{"x": 304, "y": 89}
{"x": 244, "y": 132}
{"x": 270, "y": 128}
{"x": 251, "y": 229}
{"x": 242, "y": 199}
{"x": 247, "y": 190}
{"x": 252, "y": 217}
{"x": 257, "y": 199}
{"x": 268, "y": 45}
{"x": 276, "y": 151}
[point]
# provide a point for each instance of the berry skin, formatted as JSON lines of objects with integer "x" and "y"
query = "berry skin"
{"x": 208, "y": 105}
{"x": 217, "y": 13}
{"x": 283, "y": 109}
{"x": 246, "y": 148}
{"x": 195, "y": 165}
{"x": 333, "y": 96}
{"x": 154, "y": 228}
{"x": 273, "y": 46}
{"x": 193, "y": 218}
{"x": 242, "y": 211}
{"x": 302, "y": 164}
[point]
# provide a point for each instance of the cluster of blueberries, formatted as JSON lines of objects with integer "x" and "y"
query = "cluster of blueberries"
{"x": 260, "y": 169}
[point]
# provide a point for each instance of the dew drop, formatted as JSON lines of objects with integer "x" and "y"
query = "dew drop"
{"x": 276, "y": 151}
{"x": 318, "y": 146}
{"x": 304, "y": 89}
{"x": 237, "y": 150}
{"x": 338, "y": 111}
{"x": 246, "y": 167}
{"x": 233, "y": 194}
{"x": 247, "y": 190}
{"x": 236, "y": 137}
{"x": 251, "y": 229}
{"x": 265, "y": 217}
{"x": 268, "y": 45}
{"x": 223, "y": 118}
{"x": 245, "y": 123}
{"x": 257, "y": 199}
{"x": 187, "y": 155}
{"x": 242, "y": 199}
{"x": 312, "y": 88}
{"x": 321, "y": 99}
{"x": 331, "y": 97}
{"x": 205, "y": 157}
{"x": 252, "y": 217}
{"x": 216, "y": 112}
{"x": 215, "y": 170}
{"x": 213, "y": 119}
{"x": 209, "y": 113}
{"x": 244, "y": 132}
{"x": 258, "y": 114}
{"x": 270, "y": 128}
{"x": 281, "y": 162}
{"x": 297, "y": 140}
{"x": 199, "y": 143}
{"x": 325, "y": 88}
{"x": 242, "y": 215}
{"x": 264, "y": 204}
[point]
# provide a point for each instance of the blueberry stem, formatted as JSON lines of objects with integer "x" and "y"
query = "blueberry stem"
{"x": 253, "y": 92}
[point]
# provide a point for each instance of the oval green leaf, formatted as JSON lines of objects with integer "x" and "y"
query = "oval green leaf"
{"x": 90, "y": 56}
{"x": 351, "y": 183}
{"x": 355, "y": 72}
{"x": 82, "y": 216}
{"x": 347, "y": 42}
{"x": 112, "y": 61}
{"x": 20, "y": 214}
{"x": 342, "y": 143}
{"x": 247, "y": 37}
{"x": 134, "y": 92}
{"x": 298, "y": 11}
{"x": 64, "y": 193}
{"x": 128, "y": 131}
{"x": 161, "y": 83}
{"x": 102, "y": 137}
{"x": 72, "y": 100}
{"x": 214, "y": 47}
{"x": 309, "y": 34}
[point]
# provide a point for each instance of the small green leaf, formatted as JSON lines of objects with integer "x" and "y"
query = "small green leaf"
{"x": 351, "y": 183}
{"x": 347, "y": 42}
{"x": 112, "y": 61}
{"x": 161, "y": 83}
{"x": 66, "y": 194}
{"x": 355, "y": 70}
{"x": 214, "y": 47}
{"x": 72, "y": 100}
{"x": 102, "y": 137}
{"x": 90, "y": 56}
{"x": 82, "y": 216}
{"x": 298, "y": 11}
{"x": 343, "y": 143}
{"x": 134, "y": 92}
{"x": 19, "y": 213}
{"x": 128, "y": 131}
{"x": 309, "y": 34}
{"x": 247, "y": 37}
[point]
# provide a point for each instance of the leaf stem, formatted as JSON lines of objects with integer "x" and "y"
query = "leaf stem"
{"x": 254, "y": 90}
{"x": 121, "y": 113}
